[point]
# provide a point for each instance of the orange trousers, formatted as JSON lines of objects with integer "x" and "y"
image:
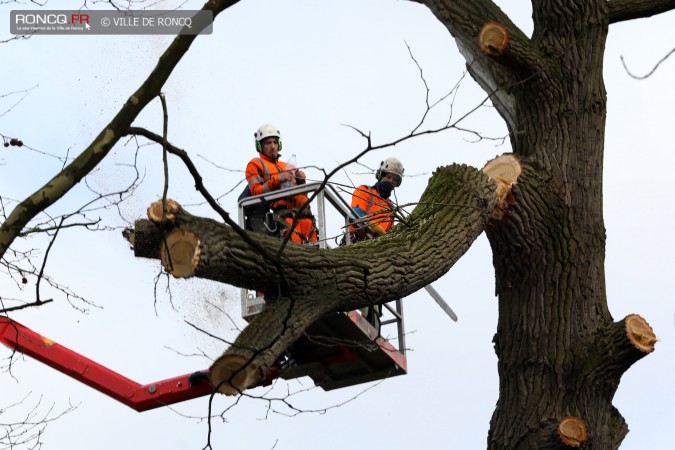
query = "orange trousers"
{"x": 304, "y": 232}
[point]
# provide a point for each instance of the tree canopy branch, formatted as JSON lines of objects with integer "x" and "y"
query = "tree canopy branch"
{"x": 451, "y": 214}
{"x": 622, "y": 10}
{"x": 495, "y": 73}
{"x": 72, "y": 174}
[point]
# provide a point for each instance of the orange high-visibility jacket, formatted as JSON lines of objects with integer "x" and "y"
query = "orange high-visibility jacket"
{"x": 262, "y": 175}
{"x": 371, "y": 203}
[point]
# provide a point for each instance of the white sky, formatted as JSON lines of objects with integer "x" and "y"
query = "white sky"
{"x": 309, "y": 67}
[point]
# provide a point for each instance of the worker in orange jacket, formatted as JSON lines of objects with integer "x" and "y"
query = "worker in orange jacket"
{"x": 372, "y": 203}
{"x": 376, "y": 215}
{"x": 267, "y": 173}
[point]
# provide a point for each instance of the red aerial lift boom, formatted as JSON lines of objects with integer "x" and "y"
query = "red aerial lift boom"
{"x": 341, "y": 349}
{"x": 363, "y": 357}
{"x": 140, "y": 397}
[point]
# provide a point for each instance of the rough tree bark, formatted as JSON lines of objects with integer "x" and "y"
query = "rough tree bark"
{"x": 561, "y": 355}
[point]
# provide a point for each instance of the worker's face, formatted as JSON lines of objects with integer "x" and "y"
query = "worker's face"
{"x": 392, "y": 178}
{"x": 270, "y": 147}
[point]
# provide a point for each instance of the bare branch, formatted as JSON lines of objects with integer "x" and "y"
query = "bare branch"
{"x": 44, "y": 262}
{"x": 622, "y": 10}
{"x": 24, "y": 306}
{"x": 27, "y": 429}
{"x": 165, "y": 130}
{"x": 16, "y": 142}
{"x": 651, "y": 72}
{"x": 426, "y": 88}
{"x": 24, "y": 93}
{"x": 199, "y": 185}
{"x": 19, "y": 37}
{"x": 58, "y": 186}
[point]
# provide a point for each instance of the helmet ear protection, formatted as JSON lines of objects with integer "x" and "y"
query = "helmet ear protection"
{"x": 380, "y": 172}
{"x": 258, "y": 146}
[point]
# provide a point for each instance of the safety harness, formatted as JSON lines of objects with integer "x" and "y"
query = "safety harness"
{"x": 282, "y": 214}
{"x": 276, "y": 221}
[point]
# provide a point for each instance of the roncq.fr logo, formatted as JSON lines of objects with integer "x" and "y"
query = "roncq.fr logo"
{"x": 50, "y": 19}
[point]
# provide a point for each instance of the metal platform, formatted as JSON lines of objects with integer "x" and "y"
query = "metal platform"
{"x": 341, "y": 349}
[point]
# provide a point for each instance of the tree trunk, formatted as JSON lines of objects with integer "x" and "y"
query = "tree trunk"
{"x": 559, "y": 352}
{"x": 561, "y": 356}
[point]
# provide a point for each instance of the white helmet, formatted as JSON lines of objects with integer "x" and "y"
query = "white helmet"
{"x": 266, "y": 131}
{"x": 390, "y": 165}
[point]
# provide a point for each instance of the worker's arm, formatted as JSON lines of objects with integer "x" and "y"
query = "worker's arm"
{"x": 376, "y": 228}
{"x": 360, "y": 205}
{"x": 360, "y": 198}
{"x": 371, "y": 228}
{"x": 300, "y": 177}
{"x": 257, "y": 183}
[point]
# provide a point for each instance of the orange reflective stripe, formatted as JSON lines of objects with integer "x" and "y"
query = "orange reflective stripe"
{"x": 260, "y": 175}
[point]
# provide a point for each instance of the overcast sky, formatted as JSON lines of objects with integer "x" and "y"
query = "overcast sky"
{"x": 310, "y": 67}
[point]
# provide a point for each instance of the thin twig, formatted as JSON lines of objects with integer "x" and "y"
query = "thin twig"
{"x": 651, "y": 72}
{"x": 44, "y": 261}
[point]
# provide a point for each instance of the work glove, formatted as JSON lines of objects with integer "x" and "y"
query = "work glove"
{"x": 376, "y": 228}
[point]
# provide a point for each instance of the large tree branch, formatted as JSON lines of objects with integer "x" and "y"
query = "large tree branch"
{"x": 58, "y": 186}
{"x": 618, "y": 347}
{"x": 474, "y": 24}
{"x": 451, "y": 214}
{"x": 622, "y": 10}
{"x": 199, "y": 183}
